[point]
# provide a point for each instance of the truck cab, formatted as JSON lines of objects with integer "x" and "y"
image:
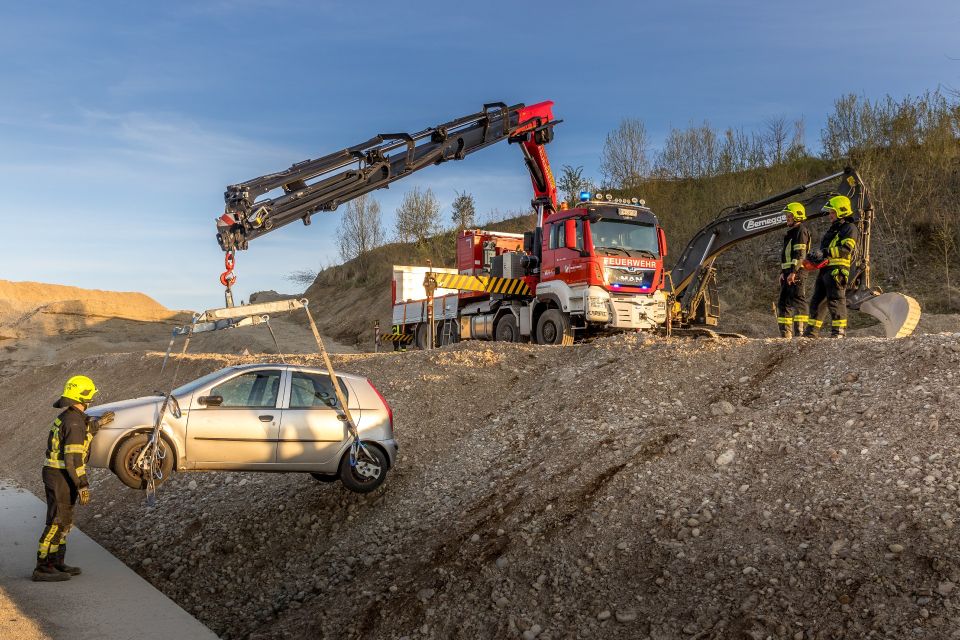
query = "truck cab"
{"x": 602, "y": 263}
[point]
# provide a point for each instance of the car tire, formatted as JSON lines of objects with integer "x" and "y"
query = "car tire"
{"x": 126, "y": 454}
{"x": 325, "y": 477}
{"x": 553, "y": 327}
{"x": 354, "y": 479}
{"x": 507, "y": 329}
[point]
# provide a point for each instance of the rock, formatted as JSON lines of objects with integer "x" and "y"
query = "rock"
{"x": 626, "y": 615}
{"x": 896, "y": 548}
{"x": 425, "y": 594}
{"x": 622, "y": 546}
{"x": 502, "y": 601}
{"x": 721, "y": 408}
{"x": 146, "y": 562}
{"x": 532, "y": 632}
{"x": 726, "y": 457}
{"x": 192, "y": 485}
{"x": 851, "y": 376}
{"x": 945, "y": 588}
{"x": 502, "y": 562}
{"x": 603, "y": 615}
{"x": 475, "y": 538}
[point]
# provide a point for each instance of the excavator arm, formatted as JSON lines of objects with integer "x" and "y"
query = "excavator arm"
{"x": 261, "y": 205}
{"x": 692, "y": 282}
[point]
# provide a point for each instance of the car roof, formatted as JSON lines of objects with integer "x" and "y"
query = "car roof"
{"x": 294, "y": 367}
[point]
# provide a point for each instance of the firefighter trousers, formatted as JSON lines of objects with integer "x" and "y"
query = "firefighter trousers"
{"x": 61, "y": 497}
{"x": 829, "y": 292}
{"x": 792, "y": 308}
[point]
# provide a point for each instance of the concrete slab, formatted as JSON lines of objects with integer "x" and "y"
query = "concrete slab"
{"x": 107, "y": 602}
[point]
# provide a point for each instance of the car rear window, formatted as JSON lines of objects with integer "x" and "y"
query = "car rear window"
{"x": 313, "y": 390}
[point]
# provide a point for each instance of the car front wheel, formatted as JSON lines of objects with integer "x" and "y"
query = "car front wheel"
{"x": 125, "y": 466}
{"x": 368, "y": 473}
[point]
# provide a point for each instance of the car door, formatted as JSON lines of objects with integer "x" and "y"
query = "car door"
{"x": 310, "y": 431}
{"x": 240, "y": 433}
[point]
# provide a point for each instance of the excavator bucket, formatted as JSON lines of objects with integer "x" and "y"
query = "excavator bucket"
{"x": 899, "y": 314}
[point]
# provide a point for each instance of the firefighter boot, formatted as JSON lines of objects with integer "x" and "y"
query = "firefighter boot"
{"x": 59, "y": 565}
{"x": 46, "y": 572}
{"x": 786, "y": 330}
{"x": 838, "y": 332}
{"x": 809, "y": 332}
{"x": 799, "y": 328}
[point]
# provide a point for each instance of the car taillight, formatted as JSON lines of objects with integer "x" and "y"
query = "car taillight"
{"x": 386, "y": 405}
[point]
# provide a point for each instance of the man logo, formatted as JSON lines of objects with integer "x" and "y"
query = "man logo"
{"x": 763, "y": 222}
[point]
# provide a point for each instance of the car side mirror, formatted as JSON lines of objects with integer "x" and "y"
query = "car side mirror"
{"x": 662, "y": 242}
{"x": 210, "y": 401}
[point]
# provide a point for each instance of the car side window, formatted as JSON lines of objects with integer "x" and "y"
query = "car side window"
{"x": 312, "y": 390}
{"x": 256, "y": 389}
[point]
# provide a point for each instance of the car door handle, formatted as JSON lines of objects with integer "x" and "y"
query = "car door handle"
{"x": 266, "y": 418}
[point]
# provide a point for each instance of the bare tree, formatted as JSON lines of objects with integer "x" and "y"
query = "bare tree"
{"x": 418, "y": 216}
{"x": 690, "y": 153}
{"x": 464, "y": 210}
{"x": 624, "y": 162}
{"x": 572, "y": 182}
{"x": 303, "y": 278}
{"x": 775, "y": 138}
{"x": 361, "y": 229}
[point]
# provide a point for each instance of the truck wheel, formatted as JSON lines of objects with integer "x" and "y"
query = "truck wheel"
{"x": 420, "y": 336}
{"x": 369, "y": 472}
{"x": 553, "y": 327}
{"x": 125, "y": 457}
{"x": 507, "y": 329}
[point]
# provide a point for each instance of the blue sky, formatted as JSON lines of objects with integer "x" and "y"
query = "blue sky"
{"x": 121, "y": 122}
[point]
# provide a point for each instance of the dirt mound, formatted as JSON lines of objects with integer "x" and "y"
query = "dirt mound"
{"x": 28, "y": 297}
{"x": 630, "y": 487}
{"x": 46, "y": 323}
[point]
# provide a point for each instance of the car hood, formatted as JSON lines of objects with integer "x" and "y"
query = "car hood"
{"x": 125, "y": 405}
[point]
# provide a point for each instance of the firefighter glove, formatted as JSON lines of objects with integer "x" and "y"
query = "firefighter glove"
{"x": 840, "y": 277}
{"x": 84, "y": 495}
{"x": 102, "y": 421}
{"x": 815, "y": 256}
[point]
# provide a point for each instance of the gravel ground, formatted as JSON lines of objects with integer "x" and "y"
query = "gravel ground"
{"x": 631, "y": 487}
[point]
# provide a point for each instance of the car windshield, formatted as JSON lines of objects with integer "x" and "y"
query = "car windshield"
{"x": 190, "y": 387}
{"x": 624, "y": 238}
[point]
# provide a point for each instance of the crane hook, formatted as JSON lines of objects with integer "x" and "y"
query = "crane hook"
{"x": 228, "y": 277}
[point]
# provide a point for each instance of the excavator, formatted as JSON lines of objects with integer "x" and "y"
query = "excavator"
{"x": 596, "y": 264}
{"x": 692, "y": 282}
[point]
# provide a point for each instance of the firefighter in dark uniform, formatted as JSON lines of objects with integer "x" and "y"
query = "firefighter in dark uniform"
{"x": 65, "y": 476}
{"x": 792, "y": 304}
{"x": 836, "y": 250}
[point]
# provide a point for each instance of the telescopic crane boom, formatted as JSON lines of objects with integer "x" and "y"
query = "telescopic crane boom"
{"x": 252, "y": 209}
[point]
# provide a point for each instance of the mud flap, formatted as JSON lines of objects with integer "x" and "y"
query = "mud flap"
{"x": 899, "y": 314}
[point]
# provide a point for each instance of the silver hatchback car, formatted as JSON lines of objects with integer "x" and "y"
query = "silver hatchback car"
{"x": 263, "y": 417}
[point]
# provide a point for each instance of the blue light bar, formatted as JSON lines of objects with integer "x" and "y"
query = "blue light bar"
{"x": 584, "y": 196}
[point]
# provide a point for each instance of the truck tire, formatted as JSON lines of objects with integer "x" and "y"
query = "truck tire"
{"x": 553, "y": 327}
{"x": 420, "y": 336}
{"x": 507, "y": 329}
{"x": 356, "y": 478}
{"x": 126, "y": 454}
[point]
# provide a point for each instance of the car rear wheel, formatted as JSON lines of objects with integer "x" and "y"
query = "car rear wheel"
{"x": 368, "y": 473}
{"x": 124, "y": 463}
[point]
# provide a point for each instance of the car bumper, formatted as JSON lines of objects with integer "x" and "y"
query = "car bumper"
{"x": 391, "y": 447}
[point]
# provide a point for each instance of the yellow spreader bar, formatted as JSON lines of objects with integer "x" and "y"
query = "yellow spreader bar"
{"x": 490, "y": 284}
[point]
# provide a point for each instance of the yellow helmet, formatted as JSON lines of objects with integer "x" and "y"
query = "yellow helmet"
{"x": 797, "y": 210}
{"x": 79, "y": 389}
{"x": 839, "y": 205}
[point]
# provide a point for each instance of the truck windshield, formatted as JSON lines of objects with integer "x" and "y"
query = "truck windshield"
{"x": 617, "y": 237}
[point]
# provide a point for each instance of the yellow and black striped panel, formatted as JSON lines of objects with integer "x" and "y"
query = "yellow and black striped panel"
{"x": 402, "y": 338}
{"x": 490, "y": 284}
